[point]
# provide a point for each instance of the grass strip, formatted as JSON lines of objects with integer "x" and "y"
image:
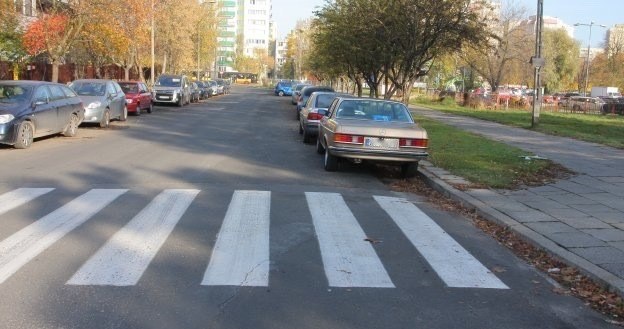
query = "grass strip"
{"x": 480, "y": 160}
{"x": 602, "y": 129}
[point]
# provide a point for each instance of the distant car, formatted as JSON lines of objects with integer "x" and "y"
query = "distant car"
{"x": 103, "y": 100}
{"x": 283, "y": 88}
{"x": 138, "y": 97}
{"x": 363, "y": 129}
{"x": 195, "y": 92}
{"x": 31, "y": 109}
{"x": 227, "y": 87}
{"x": 173, "y": 89}
{"x": 582, "y": 104}
{"x": 204, "y": 90}
{"x": 220, "y": 86}
{"x": 296, "y": 90}
{"x": 305, "y": 93}
{"x": 314, "y": 110}
{"x": 212, "y": 85}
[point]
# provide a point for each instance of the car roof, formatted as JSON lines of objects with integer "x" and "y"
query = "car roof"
{"x": 26, "y": 82}
{"x": 93, "y": 80}
{"x": 369, "y": 100}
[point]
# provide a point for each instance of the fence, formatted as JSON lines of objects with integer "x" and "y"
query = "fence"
{"x": 67, "y": 72}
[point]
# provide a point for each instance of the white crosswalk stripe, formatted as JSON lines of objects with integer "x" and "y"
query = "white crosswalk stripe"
{"x": 455, "y": 266}
{"x": 16, "y": 198}
{"x": 124, "y": 258}
{"x": 348, "y": 261}
{"x": 26, "y": 244}
{"x": 241, "y": 255}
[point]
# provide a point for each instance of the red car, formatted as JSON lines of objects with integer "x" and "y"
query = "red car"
{"x": 138, "y": 97}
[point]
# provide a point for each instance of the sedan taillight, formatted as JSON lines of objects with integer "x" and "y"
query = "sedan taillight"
{"x": 314, "y": 116}
{"x": 416, "y": 143}
{"x": 348, "y": 139}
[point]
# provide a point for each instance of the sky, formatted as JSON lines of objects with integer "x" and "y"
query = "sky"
{"x": 605, "y": 12}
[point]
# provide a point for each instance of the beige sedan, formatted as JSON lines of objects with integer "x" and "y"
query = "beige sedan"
{"x": 360, "y": 129}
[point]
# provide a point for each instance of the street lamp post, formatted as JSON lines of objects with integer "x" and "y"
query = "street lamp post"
{"x": 152, "y": 45}
{"x": 588, "y": 48}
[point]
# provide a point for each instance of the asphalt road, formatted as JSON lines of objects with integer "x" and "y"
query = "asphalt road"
{"x": 216, "y": 215}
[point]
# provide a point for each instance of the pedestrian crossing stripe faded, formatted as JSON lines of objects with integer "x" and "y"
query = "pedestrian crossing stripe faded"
{"x": 241, "y": 255}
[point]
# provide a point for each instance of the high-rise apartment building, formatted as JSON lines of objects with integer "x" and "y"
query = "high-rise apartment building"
{"x": 242, "y": 23}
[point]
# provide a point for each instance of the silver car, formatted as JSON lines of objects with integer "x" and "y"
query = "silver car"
{"x": 172, "y": 89}
{"x": 103, "y": 100}
{"x": 296, "y": 91}
{"x": 313, "y": 111}
{"x": 360, "y": 129}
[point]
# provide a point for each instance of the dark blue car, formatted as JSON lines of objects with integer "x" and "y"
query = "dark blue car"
{"x": 283, "y": 88}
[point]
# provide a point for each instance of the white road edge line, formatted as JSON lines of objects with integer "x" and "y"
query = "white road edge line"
{"x": 349, "y": 261}
{"x": 241, "y": 254}
{"x": 453, "y": 264}
{"x": 13, "y": 199}
{"x": 26, "y": 244}
{"x": 127, "y": 254}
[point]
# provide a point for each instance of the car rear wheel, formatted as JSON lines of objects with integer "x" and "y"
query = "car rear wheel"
{"x": 150, "y": 108}
{"x": 124, "y": 114}
{"x": 280, "y": 93}
{"x": 319, "y": 146}
{"x": 306, "y": 137}
{"x": 72, "y": 126}
{"x": 24, "y": 138}
{"x": 105, "y": 122}
{"x": 331, "y": 162}
{"x": 409, "y": 170}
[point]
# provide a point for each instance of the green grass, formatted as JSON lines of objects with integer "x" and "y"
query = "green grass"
{"x": 480, "y": 160}
{"x": 605, "y": 130}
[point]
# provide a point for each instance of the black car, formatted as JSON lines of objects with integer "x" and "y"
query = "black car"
{"x": 204, "y": 90}
{"x": 31, "y": 109}
{"x": 305, "y": 93}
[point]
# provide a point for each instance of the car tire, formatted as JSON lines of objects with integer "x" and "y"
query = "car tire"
{"x": 138, "y": 110}
{"x": 330, "y": 161}
{"x": 150, "y": 109}
{"x": 24, "y": 136}
{"x": 72, "y": 126}
{"x": 105, "y": 122}
{"x": 307, "y": 139}
{"x": 319, "y": 146}
{"x": 409, "y": 170}
{"x": 297, "y": 114}
{"x": 280, "y": 93}
{"x": 124, "y": 114}
{"x": 300, "y": 128}
{"x": 180, "y": 101}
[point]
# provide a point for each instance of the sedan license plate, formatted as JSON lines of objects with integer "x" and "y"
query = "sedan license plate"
{"x": 381, "y": 143}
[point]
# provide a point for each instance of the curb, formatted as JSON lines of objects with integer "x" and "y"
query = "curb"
{"x": 603, "y": 277}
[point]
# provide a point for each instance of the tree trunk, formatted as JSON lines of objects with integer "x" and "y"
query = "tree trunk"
{"x": 127, "y": 72}
{"x": 55, "y": 70}
{"x": 164, "y": 65}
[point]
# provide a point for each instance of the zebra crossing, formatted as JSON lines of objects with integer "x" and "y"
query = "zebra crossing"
{"x": 241, "y": 253}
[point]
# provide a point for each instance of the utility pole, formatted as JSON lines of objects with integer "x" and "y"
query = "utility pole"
{"x": 588, "y": 52}
{"x": 152, "y": 41}
{"x": 538, "y": 62}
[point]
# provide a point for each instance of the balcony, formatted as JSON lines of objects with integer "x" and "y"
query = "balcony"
{"x": 227, "y": 4}
{"x": 227, "y": 34}
{"x": 226, "y": 44}
{"x": 227, "y": 14}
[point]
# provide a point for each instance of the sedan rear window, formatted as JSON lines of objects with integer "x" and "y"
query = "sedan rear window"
{"x": 373, "y": 110}
{"x": 324, "y": 100}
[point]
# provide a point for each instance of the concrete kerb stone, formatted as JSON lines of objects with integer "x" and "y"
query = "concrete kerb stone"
{"x": 595, "y": 272}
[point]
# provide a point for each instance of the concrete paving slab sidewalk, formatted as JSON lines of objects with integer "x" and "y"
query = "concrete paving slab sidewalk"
{"x": 579, "y": 219}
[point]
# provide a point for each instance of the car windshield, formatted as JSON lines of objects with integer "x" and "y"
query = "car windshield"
{"x": 129, "y": 88}
{"x": 13, "y": 94}
{"x": 169, "y": 82}
{"x": 373, "y": 110}
{"x": 324, "y": 100}
{"x": 89, "y": 88}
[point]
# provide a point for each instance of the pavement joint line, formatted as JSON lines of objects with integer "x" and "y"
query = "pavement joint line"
{"x": 600, "y": 275}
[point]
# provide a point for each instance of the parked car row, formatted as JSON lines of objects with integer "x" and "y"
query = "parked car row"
{"x": 32, "y": 109}
{"x": 348, "y": 128}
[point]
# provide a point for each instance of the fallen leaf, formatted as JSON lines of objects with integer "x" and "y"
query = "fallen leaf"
{"x": 373, "y": 241}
